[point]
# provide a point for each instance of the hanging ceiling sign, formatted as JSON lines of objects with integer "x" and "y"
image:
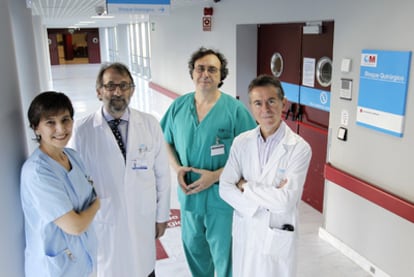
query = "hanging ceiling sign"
{"x": 383, "y": 88}
{"x": 138, "y": 6}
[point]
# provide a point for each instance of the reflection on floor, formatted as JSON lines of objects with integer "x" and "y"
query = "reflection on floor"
{"x": 73, "y": 61}
{"x": 317, "y": 258}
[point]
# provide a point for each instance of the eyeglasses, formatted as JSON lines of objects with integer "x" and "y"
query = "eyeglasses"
{"x": 122, "y": 86}
{"x": 210, "y": 69}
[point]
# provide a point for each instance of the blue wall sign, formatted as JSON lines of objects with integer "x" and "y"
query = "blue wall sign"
{"x": 138, "y": 6}
{"x": 315, "y": 98}
{"x": 291, "y": 91}
{"x": 383, "y": 90}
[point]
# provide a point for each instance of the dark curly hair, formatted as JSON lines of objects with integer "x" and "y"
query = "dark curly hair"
{"x": 201, "y": 52}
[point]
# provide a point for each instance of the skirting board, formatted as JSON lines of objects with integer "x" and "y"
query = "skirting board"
{"x": 351, "y": 254}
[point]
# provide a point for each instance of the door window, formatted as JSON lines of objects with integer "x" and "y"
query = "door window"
{"x": 324, "y": 71}
{"x": 276, "y": 64}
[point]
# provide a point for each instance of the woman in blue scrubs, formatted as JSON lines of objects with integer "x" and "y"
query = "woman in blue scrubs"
{"x": 58, "y": 198}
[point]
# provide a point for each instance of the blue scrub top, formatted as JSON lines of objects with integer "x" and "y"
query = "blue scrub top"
{"x": 49, "y": 191}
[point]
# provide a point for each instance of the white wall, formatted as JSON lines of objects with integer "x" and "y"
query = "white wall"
{"x": 123, "y": 44}
{"x": 104, "y": 45}
{"x": 31, "y": 74}
{"x": 246, "y": 59}
{"x": 41, "y": 42}
{"x": 177, "y": 36}
{"x": 382, "y": 238}
{"x": 18, "y": 77}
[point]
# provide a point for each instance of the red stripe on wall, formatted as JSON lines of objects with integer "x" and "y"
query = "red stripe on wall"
{"x": 163, "y": 90}
{"x": 382, "y": 198}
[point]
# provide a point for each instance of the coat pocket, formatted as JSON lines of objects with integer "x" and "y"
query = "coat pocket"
{"x": 279, "y": 243}
{"x": 60, "y": 263}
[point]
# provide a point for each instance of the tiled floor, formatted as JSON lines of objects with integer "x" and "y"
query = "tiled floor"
{"x": 317, "y": 258}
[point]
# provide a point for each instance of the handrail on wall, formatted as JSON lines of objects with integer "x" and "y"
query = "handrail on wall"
{"x": 163, "y": 90}
{"x": 382, "y": 198}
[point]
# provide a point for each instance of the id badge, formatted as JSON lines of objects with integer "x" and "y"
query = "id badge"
{"x": 139, "y": 165}
{"x": 217, "y": 149}
{"x": 141, "y": 162}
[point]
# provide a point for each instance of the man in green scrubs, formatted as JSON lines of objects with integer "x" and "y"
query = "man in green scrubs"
{"x": 199, "y": 128}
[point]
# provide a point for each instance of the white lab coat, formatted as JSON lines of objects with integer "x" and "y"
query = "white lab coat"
{"x": 134, "y": 194}
{"x": 260, "y": 247}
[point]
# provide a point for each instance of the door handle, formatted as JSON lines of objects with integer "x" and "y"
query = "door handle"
{"x": 299, "y": 113}
{"x": 292, "y": 110}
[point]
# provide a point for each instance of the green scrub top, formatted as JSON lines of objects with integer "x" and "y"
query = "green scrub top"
{"x": 200, "y": 144}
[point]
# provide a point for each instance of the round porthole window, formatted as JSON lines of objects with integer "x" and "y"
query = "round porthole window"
{"x": 276, "y": 64}
{"x": 324, "y": 71}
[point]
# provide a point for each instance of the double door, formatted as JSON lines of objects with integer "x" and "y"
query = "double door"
{"x": 65, "y": 45}
{"x": 300, "y": 55}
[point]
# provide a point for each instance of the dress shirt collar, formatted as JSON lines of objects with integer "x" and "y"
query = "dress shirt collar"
{"x": 275, "y": 137}
{"x": 109, "y": 117}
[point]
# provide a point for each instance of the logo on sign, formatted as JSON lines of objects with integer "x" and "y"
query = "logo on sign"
{"x": 323, "y": 97}
{"x": 369, "y": 60}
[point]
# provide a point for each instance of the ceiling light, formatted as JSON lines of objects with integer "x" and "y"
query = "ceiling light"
{"x": 102, "y": 16}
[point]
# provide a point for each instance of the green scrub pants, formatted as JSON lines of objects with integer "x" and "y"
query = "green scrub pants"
{"x": 207, "y": 243}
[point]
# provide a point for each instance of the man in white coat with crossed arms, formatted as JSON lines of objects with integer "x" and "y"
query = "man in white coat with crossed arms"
{"x": 263, "y": 181}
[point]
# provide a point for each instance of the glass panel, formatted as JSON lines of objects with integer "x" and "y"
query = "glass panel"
{"x": 324, "y": 71}
{"x": 276, "y": 64}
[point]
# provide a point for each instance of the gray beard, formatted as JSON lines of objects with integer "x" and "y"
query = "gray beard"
{"x": 118, "y": 106}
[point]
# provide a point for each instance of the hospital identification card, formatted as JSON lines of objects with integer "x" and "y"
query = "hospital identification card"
{"x": 217, "y": 149}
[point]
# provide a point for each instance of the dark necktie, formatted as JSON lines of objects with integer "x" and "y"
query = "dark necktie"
{"x": 114, "y": 127}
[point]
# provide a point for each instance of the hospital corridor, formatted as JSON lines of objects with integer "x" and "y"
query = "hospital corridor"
{"x": 317, "y": 258}
{"x": 344, "y": 68}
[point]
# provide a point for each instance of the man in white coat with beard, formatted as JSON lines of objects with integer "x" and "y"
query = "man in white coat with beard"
{"x": 129, "y": 166}
{"x": 263, "y": 181}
